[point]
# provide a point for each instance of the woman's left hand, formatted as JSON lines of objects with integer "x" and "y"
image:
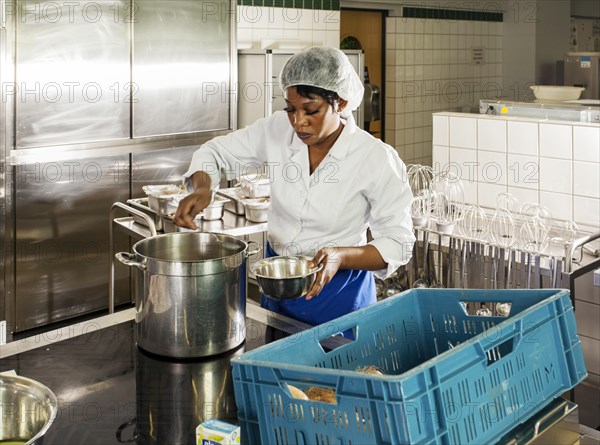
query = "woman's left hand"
{"x": 336, "y": 258}
{"x": 331, "y": 259}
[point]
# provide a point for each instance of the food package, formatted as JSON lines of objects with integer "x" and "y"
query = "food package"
{"x": 217, "y": 432}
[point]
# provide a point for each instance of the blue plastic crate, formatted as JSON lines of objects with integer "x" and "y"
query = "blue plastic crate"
{"x": 450, "y": 377}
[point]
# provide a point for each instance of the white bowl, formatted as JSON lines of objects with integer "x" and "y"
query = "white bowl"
{"x": 556, "y": 92}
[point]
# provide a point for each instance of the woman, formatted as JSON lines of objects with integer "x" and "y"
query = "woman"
{"x": 330, "y": 182}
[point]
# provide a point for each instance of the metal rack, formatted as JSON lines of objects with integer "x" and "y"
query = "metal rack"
{"x": 455, "y": 261}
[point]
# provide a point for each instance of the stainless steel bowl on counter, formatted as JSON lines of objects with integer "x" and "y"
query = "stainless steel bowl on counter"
{"x": 215, "y": 209}
{"x": 285, "y": 277}
{"x": 163, "y": 199}
{"x": 28, "y": 410}
{"x": 257, "y": 210}
{"x": 214, "y": 212}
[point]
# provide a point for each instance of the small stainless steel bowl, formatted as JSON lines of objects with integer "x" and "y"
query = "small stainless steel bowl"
{"x": 28, "y": 409}
{"x": 257, "y": 210}
{"x": 285, "y": 277}
{"x": 215, "y": 209}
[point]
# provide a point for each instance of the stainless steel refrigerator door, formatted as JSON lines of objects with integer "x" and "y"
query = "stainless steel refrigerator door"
{"x": 181, "y": 66}
{"x": 62, "y": 238}
{"x": 72, "y": 72}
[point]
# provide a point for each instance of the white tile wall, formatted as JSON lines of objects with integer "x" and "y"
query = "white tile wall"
{"x": 487, "y": 194}
{"x": 586, "y": 141}
{"x": 463, "y": 162}
{"x": 560, "y": 205}
{"x": 524, "y": 195}
{"x": 556, "y": 141}
{"x": 563, "y": 175}
{"x": 556, "y": 175}
{"x": 463, "y": 132}
{"x": 492, "y": 167}
{"x": 586, "y": 211}
{"x": 523, "y": 138}
{"x": 586, "y": 181}
{"x": 523, "y": 171}
{"x": 441, "y": 154}
{"x": 491, "y": 135}
{"x": 431, "y": 70}
{"x": 440, "y": 135}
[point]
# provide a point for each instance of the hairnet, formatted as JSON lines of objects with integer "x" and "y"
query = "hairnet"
{"x": 327, "y": 68}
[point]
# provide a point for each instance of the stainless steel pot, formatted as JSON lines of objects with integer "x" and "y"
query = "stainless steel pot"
{"x": 190, "y": 293}
{"x": 27, "y": 409}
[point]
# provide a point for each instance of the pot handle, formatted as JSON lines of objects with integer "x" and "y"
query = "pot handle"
{"x": 131, "y": 422}
{"x": 129, "y": 260}
{"x": 256, "y": 249}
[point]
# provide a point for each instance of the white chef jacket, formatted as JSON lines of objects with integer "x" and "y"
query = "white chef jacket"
{"x": 360, "y": 184}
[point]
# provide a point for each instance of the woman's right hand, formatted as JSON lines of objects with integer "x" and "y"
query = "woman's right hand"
{"x": 190, "y": 206}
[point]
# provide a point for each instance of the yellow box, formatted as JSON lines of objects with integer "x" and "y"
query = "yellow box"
{"x": 217, "y": 432}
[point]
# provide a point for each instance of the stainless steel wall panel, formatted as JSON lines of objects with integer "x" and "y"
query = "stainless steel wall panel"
{"x": 62, "y": 216}
{"x": 159, "y": 167}
{"x": 72, "y": 71}
{"x": 181, "y": 66}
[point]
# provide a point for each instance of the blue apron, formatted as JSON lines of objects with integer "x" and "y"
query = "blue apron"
{"x": 348, "y": 291}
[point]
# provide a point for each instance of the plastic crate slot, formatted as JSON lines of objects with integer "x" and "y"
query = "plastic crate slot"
{"x": 379, "y": 341}
{"x": 449, "y": 405}
{"x": 365, "y": 350}
{"x": 276, "y": 405}
{"x": 520, "y": 360}
{"x": 464, "y": 393}
{"x": 319, "y": 415}
{"x": 513, "y": 398}
{"x": 280, "y": 436}
{"x": 537, "y": 381}
{"x": 336, "y": 362}
{"x": 296, "y": 412}
{"x": 470, "y": 429}
{"x": 455, "y": 434}
{"x": 396, "y": 362}
{"x": 495, "y": 379}
{"x": 485, "y": 419}
{"x": 322, "y": 440}
{"x": 470, "y": 327}
{"x": 508, "y": 369}
{"x": 363, "y": 420}
{"x": 480, "y": 387}
{"x": 449, "y": 324}
{"x": 392, "y": 335}
{"x": 502, "y": 350}
{"x": 350, "y": 356}
{"x": 526, "y": 389}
